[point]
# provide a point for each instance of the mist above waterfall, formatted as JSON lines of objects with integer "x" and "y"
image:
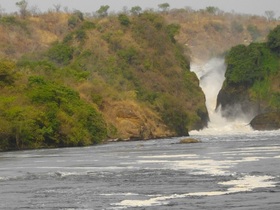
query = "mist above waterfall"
{"x": 211, "y": 77}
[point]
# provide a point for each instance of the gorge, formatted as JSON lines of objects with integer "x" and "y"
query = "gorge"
{"x": 70, "y": 79}
{"x": 211, "y": 75}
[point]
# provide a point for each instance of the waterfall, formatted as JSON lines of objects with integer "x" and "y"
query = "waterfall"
{"x": 211, "y": 77}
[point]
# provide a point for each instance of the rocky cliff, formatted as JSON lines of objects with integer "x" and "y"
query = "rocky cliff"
{"x": 252, "y": 82}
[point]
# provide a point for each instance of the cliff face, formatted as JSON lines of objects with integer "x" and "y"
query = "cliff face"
{"x": 266, "y": 121}
{"x": 235, "y": 101}
{"x": 252, "y": 83}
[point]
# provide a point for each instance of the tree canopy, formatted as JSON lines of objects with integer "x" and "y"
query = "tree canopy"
{"x": 274, "y": 40}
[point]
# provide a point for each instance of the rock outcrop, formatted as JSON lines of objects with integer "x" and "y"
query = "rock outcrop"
{"x": 189, "y": 141}
{"x": 266, "y": 121}
{"x": 134, "y": 122}
{"x": 235, "y": 101}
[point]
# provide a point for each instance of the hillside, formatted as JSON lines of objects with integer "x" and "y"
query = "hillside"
{"x": 70, "y": 81}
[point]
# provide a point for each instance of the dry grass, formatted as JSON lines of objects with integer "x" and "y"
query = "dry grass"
{"x": 210, "y": 35}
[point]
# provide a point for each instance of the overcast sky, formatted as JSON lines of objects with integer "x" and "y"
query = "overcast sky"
{"x": 239, "y": 6}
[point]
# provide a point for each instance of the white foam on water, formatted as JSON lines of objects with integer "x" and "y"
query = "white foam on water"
{"x": 249, "y": 151}
{"x": 249, "y": 183}
{"x": 119, "y": 194}
{"x": 4, "y": 178}
{"x": 170, "y": 156}
{"x": 243, "y": 184}
{"x": 204, "y": 166}
{"x": 261, "y": 149}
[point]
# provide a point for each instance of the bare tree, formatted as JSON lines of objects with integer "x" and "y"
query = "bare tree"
{"x": 2, "y": 10}
{"x": 270, "y": 15}
{"x": 66, "y": 9}
{"x": 188, "y": 9}
{"x": 125, "y": 10}
{"x": 34, "y": 11}
{"x": 22, "y": 8}
{"x": 57, "y": 7}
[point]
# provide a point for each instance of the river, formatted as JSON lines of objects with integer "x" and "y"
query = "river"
{"x": 237, "y": 171}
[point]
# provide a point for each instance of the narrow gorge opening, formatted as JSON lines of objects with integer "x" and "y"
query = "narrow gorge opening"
{"x": 211, "y": 75}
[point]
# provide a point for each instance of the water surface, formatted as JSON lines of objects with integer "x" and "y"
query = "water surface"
{"x": 237, "y": 171}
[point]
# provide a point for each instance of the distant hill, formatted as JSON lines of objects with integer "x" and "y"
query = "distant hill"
{"x": 209, "y": 33}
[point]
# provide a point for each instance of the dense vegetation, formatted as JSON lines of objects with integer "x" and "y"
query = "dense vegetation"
{"x": 36, "y": 112}
{"x": 253, "y": 75}
{"x": 111, "y": 77}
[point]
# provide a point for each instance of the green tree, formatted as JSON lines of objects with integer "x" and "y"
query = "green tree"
{"x": 103, "y": 11}
{"x": 135, "y": 10}
{"x": 60, "y": 53}
{"x": 7, "y": 74}
{"x": 164, "y": 7}
{"x": 274, "y": 40}
{"x": 68, "y": 121}
{"x": 172, "y": 30}
{"x": 212, "y": 10}
{"x": 244, "y": 65}
{"x": 76, "y": 18}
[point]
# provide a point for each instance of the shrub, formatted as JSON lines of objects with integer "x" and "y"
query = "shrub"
{"x": 76, "y": 18}
{"x": 81, "y": 35}
{"x": 124, "y": 20}
{"x": 88, "y": 25}
{"x": 60, "y": 53}
{"x": 176, "y": 119}
{"x": 129, "y": 54}
{"x": 273, "y": 41}
{"x": 8, "y": 20}
{"x": 7, "y": 75}
{"x": 172, "y": 30}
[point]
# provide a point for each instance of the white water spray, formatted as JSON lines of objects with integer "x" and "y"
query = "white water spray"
{"x": 211, "y": 76}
